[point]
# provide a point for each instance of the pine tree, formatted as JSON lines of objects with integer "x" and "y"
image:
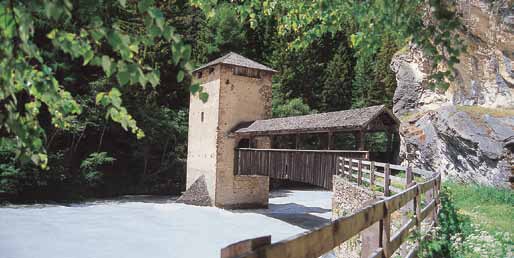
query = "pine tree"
{"x": 363, "y": 81}
{"x": 337, "y": 81}
{"x": 385, "y": 79}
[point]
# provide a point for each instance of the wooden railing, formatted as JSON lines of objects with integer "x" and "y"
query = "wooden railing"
{"x": 375, "y": 174}
{"x": 314, "y": 167}
{"x": 421, "y": 199}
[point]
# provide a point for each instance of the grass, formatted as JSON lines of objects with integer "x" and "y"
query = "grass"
{"x": 490, "y": 208}
{"x": 477, "y": 111}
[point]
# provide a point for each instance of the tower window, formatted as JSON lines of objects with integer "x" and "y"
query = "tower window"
{"x": 248, "y": 72}
{"x": 201, "y": 117}
{"x": 211, "y": 70}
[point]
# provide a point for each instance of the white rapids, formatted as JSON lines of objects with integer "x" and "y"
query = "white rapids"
{"x": 138, "y": 228}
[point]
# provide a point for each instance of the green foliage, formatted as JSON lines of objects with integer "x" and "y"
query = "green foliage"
{"x": 227, "y": 31}
{"x": 8, "y": 179}
{"x": 97, "y": 33}
{"x": 292, "y": 107}
{"x": 91, "y": 165}
{"x": 320, "y": 74}
{"x": 362, "y": 81}
{"x": 108, "y": 105}
{"x": 485, "y": 205}
{"x": 336, "y": 91}
{"x": 402, "y": 20}
{"x": 382, "y": 91}
{"x": 460, "y": 235}
{"x": 9, "y": 173}
{"x": 450, "y": 224}
{"x": 375, "y": 82}
{"x": 376, "y": 142}
{"x": 77, "y": 75}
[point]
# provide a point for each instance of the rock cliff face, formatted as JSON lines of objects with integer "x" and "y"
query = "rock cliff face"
{"x": 466, "y": 132}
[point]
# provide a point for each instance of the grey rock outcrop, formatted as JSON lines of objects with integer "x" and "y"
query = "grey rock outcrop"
{"x": 466, "y": 132}
{"x": 465, "y": 147}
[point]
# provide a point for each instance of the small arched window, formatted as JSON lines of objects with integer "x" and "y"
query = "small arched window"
{"x": 201, "y": 117}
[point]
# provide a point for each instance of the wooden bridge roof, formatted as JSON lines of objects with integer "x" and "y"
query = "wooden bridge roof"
{"x": 345, "y": 120}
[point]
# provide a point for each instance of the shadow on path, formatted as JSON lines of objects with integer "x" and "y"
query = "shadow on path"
{"x": 294, "y": 214}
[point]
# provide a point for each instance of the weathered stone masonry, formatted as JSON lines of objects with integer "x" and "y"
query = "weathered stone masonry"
{"x": 233, "y": 99}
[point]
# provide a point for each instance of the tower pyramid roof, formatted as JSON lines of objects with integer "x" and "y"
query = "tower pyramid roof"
{"x": 238, "y": 60}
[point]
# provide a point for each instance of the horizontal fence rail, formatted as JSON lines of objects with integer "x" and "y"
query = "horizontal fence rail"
{"x": 417, "y": 193}
{"x": 314, "y": 167}
{"x": 373, "y": 173}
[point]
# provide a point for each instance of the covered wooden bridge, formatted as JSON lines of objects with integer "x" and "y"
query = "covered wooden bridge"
{"x": 347, "y": 133}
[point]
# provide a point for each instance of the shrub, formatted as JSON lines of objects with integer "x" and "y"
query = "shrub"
{"x": 450, "y": 223}
{"x": 91, "y": 165}
{"x": 456, "y": 236}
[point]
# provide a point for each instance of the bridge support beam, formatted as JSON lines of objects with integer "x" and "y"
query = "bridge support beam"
{"x": 360, "y": 140}
{"x": 330, "y": 142}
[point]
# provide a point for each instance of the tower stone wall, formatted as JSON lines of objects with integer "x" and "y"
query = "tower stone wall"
{"x": 233, "y": 99}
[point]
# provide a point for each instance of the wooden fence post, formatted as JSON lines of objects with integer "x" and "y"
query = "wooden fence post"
{"x": 409, "y": 176}
{"x": 410, "y": 207}
{"x": 387, "y": 179}
{"x": 345, "y": 169}
{"x": 385, "y": 227}
{"x": 417, "y": 212}
{"x": 359, "y": 172}
{"x": 436, "y": 198}
{"x": 340, "y": 165}
{"x": 245, "y": 246}
{"x": 429, "y": 196}
{"x": 372, "y": 173}
{"x": 350, "y": 170}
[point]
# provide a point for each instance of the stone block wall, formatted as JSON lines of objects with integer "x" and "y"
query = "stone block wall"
{"x": 242, "y": 99}
{"x": 348, "y": 198}
{"x": 202, "y": 135}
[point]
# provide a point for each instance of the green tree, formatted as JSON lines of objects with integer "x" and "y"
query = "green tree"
{"x": 362, "y": 81}
{"x": 312, "y": 74}
{"x": 433, "y": 24}
{"x": 97, "y": 35}
{"x": 292, "y": 107}
{"x": 337, "y": 80}
{"x": 382, "y": 91}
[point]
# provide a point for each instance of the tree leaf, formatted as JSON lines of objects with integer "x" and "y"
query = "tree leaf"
{"x": 99, "y": 97}
{"x": 180, "y": 76}
{"x": 194, "y": 88}
{"x": 88, "y": 56}
{"x": 123, "y": 77}
{"x": 186, "y": 52}
{"x": 143, "y": 5}
{"x": 106, "y": 65}
{"x": 114, "y": 93}
{"x": 153, "y": 78}
{"x": 204, "y": 96}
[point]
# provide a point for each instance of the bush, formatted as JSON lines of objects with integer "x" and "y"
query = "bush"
{"x": 90, "y": 167}
{"x": 457, "y": 236}
{"x": 450, "y": 224}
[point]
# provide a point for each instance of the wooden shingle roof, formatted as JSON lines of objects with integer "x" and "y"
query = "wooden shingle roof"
{"x": 353, "y": 119}
{"x": 238, "y": 60}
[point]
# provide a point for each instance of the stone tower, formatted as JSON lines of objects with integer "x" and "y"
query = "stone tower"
{"x": 239, "y": 91}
